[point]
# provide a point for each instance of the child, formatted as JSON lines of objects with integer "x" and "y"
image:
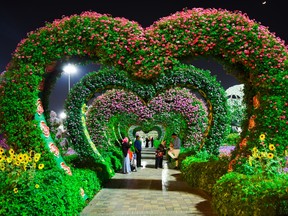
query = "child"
{"x": 133, "y": 161}
{"x": 159, "y": 153}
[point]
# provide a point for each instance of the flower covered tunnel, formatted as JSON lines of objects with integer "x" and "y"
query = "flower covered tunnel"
{"x": 198, "y": 132}
{"x": 163, "y": 110}
{"x": 131, "y": 57}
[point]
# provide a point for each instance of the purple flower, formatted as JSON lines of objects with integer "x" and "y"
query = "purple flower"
{"x": 3, "y": 143}
{"x": 226, "y": 150}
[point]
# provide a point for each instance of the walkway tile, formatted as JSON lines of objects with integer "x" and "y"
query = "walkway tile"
{"x": 148, "y": 192}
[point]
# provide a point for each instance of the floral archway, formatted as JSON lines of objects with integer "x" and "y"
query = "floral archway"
{"x": 120, "y": 102}
{"x": 146, "y": 54}
{"x": 185, "y": 76}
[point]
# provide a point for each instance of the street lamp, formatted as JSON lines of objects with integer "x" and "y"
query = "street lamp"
{"x": 69, "y": 69}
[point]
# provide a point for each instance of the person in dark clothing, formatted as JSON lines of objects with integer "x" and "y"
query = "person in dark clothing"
{"x": 138, "y": 149}
{"x": 147, "y": 142}
{"x": 159, "y": 154}
{"x": 152, "y": 142}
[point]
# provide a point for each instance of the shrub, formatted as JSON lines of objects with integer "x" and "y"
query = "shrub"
{"x": 239, "y": 194}
{"x": 49, "y": 192}
{"x": 203, "y": 172}
{"x": 232, "y": 139}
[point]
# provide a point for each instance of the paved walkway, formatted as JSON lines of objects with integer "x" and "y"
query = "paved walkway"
{"x": 148, "y": 191}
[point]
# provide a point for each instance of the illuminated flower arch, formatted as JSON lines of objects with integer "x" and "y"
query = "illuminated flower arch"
{"x": 180, "y": 101}
{"x": 145, "y": 54}
{"x": 120, "y": 108}
{"x": 184, "y": 76}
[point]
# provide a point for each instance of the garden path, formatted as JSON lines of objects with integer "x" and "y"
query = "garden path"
{"x": 148, "y": 191}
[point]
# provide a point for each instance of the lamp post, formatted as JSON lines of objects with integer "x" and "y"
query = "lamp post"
{"x": 69, "y": 69}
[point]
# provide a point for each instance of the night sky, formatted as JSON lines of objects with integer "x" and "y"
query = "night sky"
{"x": 20, "y": 17}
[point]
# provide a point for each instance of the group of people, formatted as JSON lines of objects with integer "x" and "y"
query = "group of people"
{"x": 173, "y": 151}
{"x": 149, "y": 140}
{"x": 132, "y": 160}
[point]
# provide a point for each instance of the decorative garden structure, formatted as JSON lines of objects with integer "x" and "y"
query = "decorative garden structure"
{"x": 119, "y": 109}
{"x": 105, "y": 79}
{"x": 145, "y": 54}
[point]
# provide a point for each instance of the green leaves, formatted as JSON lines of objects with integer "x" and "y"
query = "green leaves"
{"x": 55, "y": 189}
{"x": 250, "y": 195}
{"x": 202, "y": 171}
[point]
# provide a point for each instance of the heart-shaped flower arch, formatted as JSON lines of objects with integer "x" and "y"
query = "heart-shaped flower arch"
{"x": 117, "y": 108}
{"x": 148, "y": 53}
{"x": 185, "y": 76}
{"x": 119, "y": 102}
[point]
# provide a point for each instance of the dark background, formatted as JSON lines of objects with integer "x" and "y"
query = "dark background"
{"x": 17, "y": 18}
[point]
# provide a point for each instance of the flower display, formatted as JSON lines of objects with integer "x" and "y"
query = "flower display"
{"x": 16, "y": 165}
{"x": 185, "y": 76}
{"x": 174, "y": 100}
{"x": 263, "y": 159}
{"x": 148, "y": 53}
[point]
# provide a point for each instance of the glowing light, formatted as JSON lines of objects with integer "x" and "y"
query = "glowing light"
{"x": 62, "y": 115}
{"x": 70, "y": 69}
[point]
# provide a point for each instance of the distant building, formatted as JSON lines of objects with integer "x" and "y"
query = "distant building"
{"x": 235, "y": 96}
{"x": 235, "y": 93}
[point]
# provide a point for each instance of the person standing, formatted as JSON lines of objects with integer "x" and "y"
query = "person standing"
{"x": 176, "y": 148}
{"x": 138, "y": 149}
{"x": 152, "y": 142}
{"x": 147, "y": 142}
{"x": 126, "y": 160}
{"x": 159, "y": 154}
